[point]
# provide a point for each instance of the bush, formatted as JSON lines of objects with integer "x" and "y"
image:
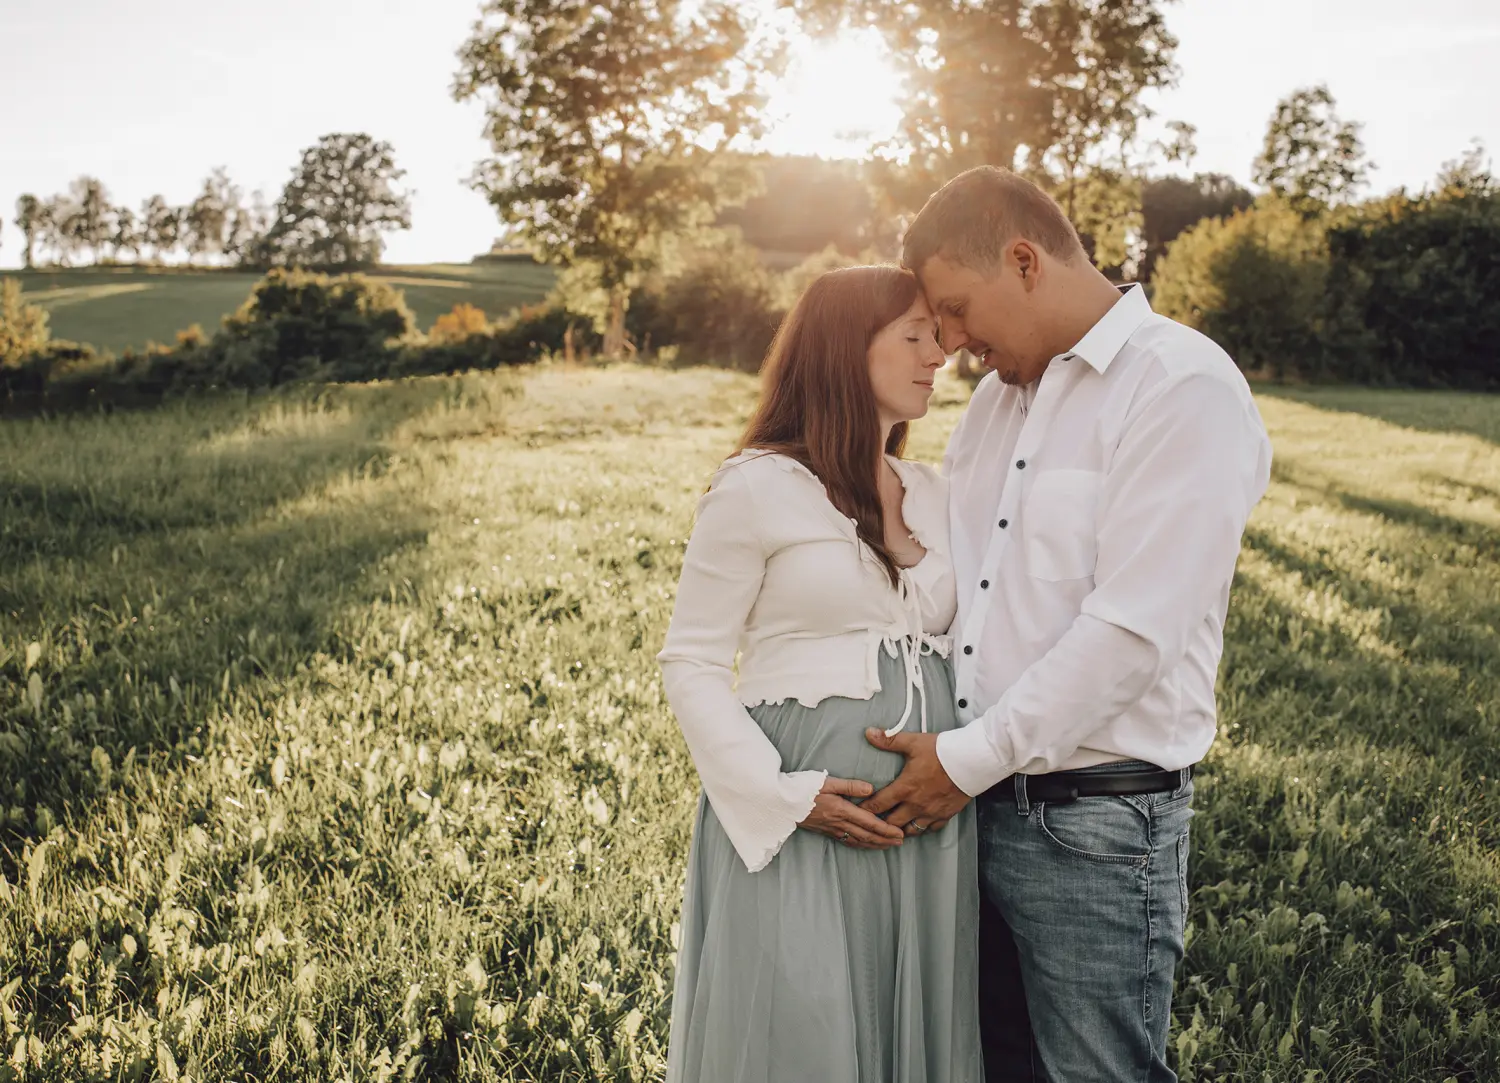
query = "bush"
{"x": 23, "y": 327}
{"x": 59, "y": 373}
{"x": 1254, "y": 283}
{"x": 1399, "y": 291}
{"x": 521, "y": 339}
{"x": 458, "y": 324}
{"x": 721, "y": 308}
{"x": 302, "y": 325}
{"x": 1414, "y": 289}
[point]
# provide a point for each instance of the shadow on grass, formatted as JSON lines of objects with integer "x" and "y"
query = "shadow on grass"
{"x": 1440, "y": 412}
{"x": 226, "y": 586}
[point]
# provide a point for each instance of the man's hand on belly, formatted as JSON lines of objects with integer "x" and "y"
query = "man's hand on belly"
{"x": 923, "y": 797}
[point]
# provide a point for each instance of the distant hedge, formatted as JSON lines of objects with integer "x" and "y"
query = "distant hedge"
{"x": 295, "y": 325}
{"x": 1399, "y": 291}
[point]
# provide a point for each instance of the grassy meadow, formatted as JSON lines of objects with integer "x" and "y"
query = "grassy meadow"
{"x": 115, "y": 307}
{"x": 332, "y": 746}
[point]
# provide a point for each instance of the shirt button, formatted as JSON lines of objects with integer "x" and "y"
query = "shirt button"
{"x": 1020, "y": 464}
{"x": 963, "y": 703}
{"x": 968, "y": 650}
{"x": 984, "y": 584}
{"x": 1004, "y": 523}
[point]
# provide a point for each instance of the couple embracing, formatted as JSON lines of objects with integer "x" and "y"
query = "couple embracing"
{"x": 944, "y": 828}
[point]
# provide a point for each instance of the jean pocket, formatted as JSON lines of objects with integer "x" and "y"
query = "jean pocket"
{"x": 1182, "y": 871}
{"x": 1111, "y": 830}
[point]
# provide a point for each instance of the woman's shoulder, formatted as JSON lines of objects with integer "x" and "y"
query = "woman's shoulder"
{"x": 759, "y": 466}
{"x": 922, "y": 474}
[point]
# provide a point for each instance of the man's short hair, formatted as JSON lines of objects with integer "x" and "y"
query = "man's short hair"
{"x": 970, "y": 220}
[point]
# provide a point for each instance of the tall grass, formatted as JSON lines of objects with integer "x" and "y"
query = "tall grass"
{"x": 332, "y": 747}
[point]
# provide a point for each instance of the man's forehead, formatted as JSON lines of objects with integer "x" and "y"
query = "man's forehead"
{"x": 943, "y": 282}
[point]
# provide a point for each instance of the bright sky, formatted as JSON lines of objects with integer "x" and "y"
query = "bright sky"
{"x": 150, "y": 96}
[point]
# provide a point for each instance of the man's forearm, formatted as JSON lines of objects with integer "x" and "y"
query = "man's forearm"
{"x": 1096, "y": 672}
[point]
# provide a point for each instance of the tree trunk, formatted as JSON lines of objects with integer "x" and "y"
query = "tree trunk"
{"x": 614, "y": 334}
{"x": 964, "y": 361}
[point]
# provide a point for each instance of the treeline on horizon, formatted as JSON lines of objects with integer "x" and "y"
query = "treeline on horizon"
{"x": 804, "y": 205}
{"x": 343, "y": 195}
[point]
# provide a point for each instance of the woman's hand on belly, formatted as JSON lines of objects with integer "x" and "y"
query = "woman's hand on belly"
{"x": 835, "y": 815}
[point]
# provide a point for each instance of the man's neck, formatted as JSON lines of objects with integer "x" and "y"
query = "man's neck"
{"x": 1089, "y": 297}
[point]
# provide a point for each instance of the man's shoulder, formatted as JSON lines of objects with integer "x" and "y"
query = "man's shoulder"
{"x": 1181, "y": 351}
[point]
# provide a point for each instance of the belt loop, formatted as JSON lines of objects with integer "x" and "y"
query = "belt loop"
{"x": 1023, "y": 804}
{"x": 1184, "y": 776}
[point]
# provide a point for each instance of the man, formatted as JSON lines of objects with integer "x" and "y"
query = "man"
{"x": 1100, "y": 483}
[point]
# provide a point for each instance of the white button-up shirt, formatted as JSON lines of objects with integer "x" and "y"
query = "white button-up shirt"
{"x": 1094, "y": 534}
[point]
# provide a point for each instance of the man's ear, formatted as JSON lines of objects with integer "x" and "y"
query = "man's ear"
{"x": 1027, "y": 263}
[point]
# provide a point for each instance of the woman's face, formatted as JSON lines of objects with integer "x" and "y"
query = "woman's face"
{"x": 904, "y": 357}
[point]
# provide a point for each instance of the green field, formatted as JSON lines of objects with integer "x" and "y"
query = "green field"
{"x": 115, "y": 307}
{"x": 332, "y": 745}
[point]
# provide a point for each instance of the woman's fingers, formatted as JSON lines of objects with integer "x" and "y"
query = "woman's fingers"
{"x": 847, "y": 787}
{"x": 833, "y": 814}
{"x": 864, "y": 840}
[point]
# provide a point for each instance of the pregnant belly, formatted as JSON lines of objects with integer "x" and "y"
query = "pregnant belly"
{"x": 831, "y": 736}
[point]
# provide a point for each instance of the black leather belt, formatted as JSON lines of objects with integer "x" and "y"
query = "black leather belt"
{"x": 1060, "y": 787}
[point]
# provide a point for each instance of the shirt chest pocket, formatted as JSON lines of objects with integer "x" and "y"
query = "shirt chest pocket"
{"x": 1062, "y": 539}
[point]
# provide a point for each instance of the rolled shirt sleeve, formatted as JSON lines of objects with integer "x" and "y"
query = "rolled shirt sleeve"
{"x": 1191, "y": 464}
{"x": 758, "y": 804}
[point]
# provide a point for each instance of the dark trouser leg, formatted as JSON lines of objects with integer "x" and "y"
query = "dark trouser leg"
{"x": 1004, "y": 1025}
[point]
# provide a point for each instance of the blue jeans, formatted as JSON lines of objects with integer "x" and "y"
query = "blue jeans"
{"x": 1093, "y": 894}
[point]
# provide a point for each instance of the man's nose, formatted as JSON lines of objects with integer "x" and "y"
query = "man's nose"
{"x": 952, "y": 338}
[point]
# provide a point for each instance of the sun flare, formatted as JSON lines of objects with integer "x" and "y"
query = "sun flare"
{"x": 838, "y": 98}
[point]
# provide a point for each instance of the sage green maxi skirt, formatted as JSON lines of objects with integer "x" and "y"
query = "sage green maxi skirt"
{"x": 832, "y": 964}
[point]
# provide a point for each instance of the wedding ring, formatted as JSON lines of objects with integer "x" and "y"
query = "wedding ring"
{"x": 844, "y": 837}
{"x": 914, "y": 826}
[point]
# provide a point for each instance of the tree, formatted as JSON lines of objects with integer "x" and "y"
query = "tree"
{"x": 29, "y": 222}
{"x": 608, "y": 119}
{"x": 208, "y": 218}
{"x": 88, "y": 221}
{"x": 1170, "y": 205}
{"x": 1254, "y": 282}
{"x": 57, "y": 214}
{"x": 248, "y": 228}
{"x": 1469, "y": 174}
{"x": 1311, "y": 157}
{"x": 1032, "y": 86}
{"x": 340, "y": 200}
{"x": 128, "y": 232}
{"x": 161, "y": 226}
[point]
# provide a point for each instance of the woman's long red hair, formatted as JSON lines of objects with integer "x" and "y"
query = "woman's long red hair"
{"x": 816, "y": 402}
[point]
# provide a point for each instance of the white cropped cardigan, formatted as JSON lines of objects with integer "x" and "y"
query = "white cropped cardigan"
{"x": 774, "y": 571}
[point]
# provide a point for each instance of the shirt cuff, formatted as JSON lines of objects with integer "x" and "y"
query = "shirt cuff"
{"x": 969, "y": 758}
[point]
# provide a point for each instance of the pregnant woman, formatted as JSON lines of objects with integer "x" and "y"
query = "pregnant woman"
{"x": 820, "y": 943}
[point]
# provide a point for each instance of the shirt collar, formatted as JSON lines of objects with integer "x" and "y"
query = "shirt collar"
{"x": 1107, "y": 338}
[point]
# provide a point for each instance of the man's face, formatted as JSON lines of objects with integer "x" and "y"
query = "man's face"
{"x": 990, "y": 313}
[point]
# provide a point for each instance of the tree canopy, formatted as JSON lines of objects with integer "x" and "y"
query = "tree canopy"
{"x": 1311, "y": 157}
{"x": 607, "y": 119}
{"x": 1033, "y": 85}
{"x": 342, "y": 197}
